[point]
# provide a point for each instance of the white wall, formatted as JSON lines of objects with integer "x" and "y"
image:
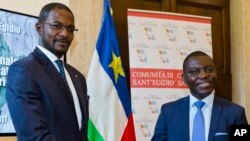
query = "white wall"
{"x": 23, "y": 6}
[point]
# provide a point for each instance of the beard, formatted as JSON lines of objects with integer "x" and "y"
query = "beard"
{"x": 51, "y": 47}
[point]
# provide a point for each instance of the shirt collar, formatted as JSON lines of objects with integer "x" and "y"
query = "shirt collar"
{"x": 208, "y": 100}
{"x": 50, "y": 55}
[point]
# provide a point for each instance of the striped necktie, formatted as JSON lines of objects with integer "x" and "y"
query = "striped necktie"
{"x": 199, "y": 125}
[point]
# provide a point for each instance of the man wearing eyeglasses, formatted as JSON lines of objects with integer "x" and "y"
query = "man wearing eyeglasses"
{"x": 47, "y": 98}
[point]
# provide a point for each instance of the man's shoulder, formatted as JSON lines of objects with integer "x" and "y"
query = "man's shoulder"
{"x": 24, "y": 61}
{"x": 226, "y": 103}
{"x": 177, "y": 102}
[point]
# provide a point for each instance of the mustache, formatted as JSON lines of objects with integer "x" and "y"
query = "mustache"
{"x": 63, "y": 40}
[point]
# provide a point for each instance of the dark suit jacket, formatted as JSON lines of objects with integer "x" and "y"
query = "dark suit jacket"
{"x": 40, "y": 103}
{"x": 173, "y": 121}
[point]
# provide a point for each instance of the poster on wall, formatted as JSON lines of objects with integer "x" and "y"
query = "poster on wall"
{"x": 158, "y": 44}
{"x": 18, "y": 38}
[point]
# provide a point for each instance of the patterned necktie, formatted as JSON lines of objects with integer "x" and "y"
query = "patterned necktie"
{"x": 61, "y": 68}
{"x": 199, "y": 125}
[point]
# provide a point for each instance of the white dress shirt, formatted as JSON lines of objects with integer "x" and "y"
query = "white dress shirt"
{"x": 53, "y": 58}
{"x": 206, "y": 110}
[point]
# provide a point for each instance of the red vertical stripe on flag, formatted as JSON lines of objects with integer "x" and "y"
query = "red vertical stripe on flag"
{"x": 129, "y": 133}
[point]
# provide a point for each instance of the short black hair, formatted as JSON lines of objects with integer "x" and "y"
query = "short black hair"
{"x": 194, "y": 54}
{"x": 44, "y": 13}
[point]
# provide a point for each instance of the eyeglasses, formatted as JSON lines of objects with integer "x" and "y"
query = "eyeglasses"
{"x": 60, "y": 27}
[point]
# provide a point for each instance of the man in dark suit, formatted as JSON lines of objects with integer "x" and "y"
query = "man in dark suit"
{"x": 48, "y": 102}
{"x": 178, "y": 121}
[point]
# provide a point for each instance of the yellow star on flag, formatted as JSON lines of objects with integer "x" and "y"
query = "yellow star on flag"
{"x": 116, "y": 65}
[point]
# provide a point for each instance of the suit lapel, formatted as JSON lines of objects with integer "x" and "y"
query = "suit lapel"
{"x": 79, "y": 89}
{"x": 216, "y": 113}
{"x": 184, "y": 108}
{"x": 52, "y": 72}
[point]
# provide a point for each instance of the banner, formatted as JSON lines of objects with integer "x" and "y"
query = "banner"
{"x": 18, "y": 38}
{"x": 158, "y": 44}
